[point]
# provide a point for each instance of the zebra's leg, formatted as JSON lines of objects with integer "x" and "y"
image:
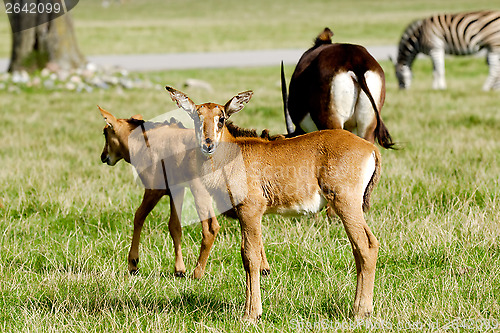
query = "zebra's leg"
{"x": 437, "y": 56}
{"x": 493, "y": 59}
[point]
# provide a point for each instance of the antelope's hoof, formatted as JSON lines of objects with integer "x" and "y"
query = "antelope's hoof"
{"x": 363, "y": 314}
{"x": 265, "y": 272}
{"x": 198, "y": 274}
{"x": 180, "y": 274}
{"x": 132, "y": 266}
{"x": 251, "y": 319}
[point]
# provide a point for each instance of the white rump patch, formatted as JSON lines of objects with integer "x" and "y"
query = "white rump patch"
{"x": 365, "y": 114}
{"x": 369, "y": 169}
{"x": 344, "y": 96}
{"x": 374, "y": 83}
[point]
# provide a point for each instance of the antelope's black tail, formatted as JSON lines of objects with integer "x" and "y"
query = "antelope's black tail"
{"x": 381, "y": 132}
{"x": 288, "y": 120}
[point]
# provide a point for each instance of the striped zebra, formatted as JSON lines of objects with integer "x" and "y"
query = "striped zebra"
{"x": 456, "y": 34}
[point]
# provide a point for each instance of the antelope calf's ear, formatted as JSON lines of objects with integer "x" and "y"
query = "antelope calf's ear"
{"x": 183, "y": 101}
{"x": 108, "y": 117}
{"x": 237, "y": 103}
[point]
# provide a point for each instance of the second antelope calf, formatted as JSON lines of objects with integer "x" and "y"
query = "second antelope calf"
{"x": 290, "y": 176}
{"x": 163, "y": 157}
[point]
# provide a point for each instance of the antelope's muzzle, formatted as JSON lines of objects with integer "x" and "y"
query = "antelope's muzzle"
{"x": 208, "y": 147}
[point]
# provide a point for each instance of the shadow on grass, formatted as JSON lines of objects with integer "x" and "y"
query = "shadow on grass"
{"x": 186, "y": 304}
{"x": 337, "y": 307}
{"x": 191, "y": 300}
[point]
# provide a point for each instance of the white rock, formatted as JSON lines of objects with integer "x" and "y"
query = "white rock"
{"x": 195, "y": 83}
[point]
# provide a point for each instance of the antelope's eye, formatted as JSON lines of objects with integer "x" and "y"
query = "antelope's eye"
{"x": 221, "y": 122}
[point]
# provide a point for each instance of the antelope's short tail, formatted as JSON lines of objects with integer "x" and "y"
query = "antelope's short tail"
{"x": 373, "y": 181}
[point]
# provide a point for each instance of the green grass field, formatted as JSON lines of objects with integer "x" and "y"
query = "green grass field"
{"x": 66, "y": 221}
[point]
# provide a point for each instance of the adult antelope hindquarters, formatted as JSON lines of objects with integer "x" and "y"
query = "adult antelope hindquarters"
{"x": 337, "y": 86}
{"x": 291, "y": 176}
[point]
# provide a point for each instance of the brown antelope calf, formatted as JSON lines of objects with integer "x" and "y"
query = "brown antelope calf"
{"x": 290, "y": 176}
{"x": 177, "y": 144}
{"x": 336, "y": 86}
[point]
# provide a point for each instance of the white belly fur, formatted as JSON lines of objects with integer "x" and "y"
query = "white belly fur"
{"x": 309, "y": 206}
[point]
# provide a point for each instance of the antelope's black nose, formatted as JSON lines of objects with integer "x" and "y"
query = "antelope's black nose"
{"x": 209, "y": 148}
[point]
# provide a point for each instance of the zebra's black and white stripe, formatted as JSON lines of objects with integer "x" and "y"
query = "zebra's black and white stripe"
{"x": 455, "y": 34}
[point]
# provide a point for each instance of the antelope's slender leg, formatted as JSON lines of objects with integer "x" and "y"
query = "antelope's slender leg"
{"x": 365, "y": 249}
{"x": 251, "y": 253}
{"x": 252, "y": 258}
{"x": 265, "y": 269}
{"x": 210, "y": 228}
{"x": 175, "y": 228}
{"x": 209, "y": 224}
{"x": 149, "y": 201}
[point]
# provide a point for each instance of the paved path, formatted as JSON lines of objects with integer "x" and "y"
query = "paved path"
{"x": 152, "y": 62}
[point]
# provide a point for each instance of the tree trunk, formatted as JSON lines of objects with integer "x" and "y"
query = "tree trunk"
{"x": 50, "y": 43}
